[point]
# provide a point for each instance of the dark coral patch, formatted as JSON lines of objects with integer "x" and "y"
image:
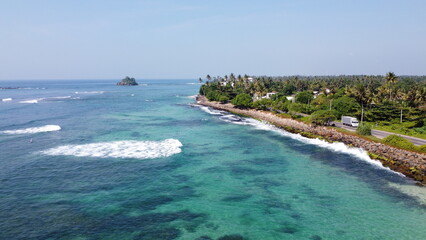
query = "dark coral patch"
{"x": 231, "y": 237}
{"x": 315, "y": 237}
{"x": 163, "y": 233}
{"x": 237, "y": 198}
{"x": 289, "y": 230}
{"x": 204, "y": 238}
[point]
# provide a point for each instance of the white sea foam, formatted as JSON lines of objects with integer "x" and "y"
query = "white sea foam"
{"x": 192, "y": 97}
{"x": 90, "y": 92}
{"x": 211, "y": 111}
{"x": 30, "y": 88}
{"x": 6, "y": 99}
{"x": 47, "y": 128}
{"x": 64, "y": 97}
{"x": 120, "y": 149}
{"x": 191, "y": 83}
{"x": 31, "y": 101}
{"x": 336, "y": 146}
{"x": 37, "y": 100}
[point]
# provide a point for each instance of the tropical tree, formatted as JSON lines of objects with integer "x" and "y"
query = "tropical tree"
{"x": 208, "y": 77}
{"x": 242, "y": 100}
{"x": 304, "y": 97}
{"x": 391, "y": 79}
{"x": 345, "y": 106}
{"x": 323, "y": 117}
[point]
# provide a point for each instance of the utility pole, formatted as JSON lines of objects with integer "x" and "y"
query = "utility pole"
{"x": 331, "y": 100}
{"x": 401, "y": 115}
{"x": 362, "y": 113}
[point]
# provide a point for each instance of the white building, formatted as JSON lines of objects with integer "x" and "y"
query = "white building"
{"x": 290, "y": 98}
{"x": 269, "y": 95}
{"x": 224, "y": 83}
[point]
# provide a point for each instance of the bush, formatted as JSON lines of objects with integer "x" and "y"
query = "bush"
{"x": 300, "y": 107}
{"x": 262, "y": 104}
{"x": 398, "y": 141}
{"x": 345, "y": 106}
{"x": 242, "y": 100}
{"x": 364, "y": 129}
{"x": 223, "y": 99}
{"x": 322, "y": 117}
{"x": 384, "y": 123}
{"x": 404, "y": 130}
{"x": 421, "y": 130}
{"x": 304, "y": 97}
{"x": 422, "y": 148}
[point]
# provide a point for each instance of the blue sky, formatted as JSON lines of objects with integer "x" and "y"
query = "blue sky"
{"x": 104, "y": 39}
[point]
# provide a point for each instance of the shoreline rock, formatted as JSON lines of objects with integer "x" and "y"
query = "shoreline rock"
{"x": 411, "y": 164}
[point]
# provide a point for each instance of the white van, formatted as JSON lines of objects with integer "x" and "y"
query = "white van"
{"x": 349, "y": 121}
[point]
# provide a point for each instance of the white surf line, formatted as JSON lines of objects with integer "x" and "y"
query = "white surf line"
{"x": 47, "y": 128}
{"x": 335, "y": 146}
{"x": 120, "y": 149}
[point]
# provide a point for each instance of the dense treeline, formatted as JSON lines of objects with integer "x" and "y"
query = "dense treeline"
{"x": 378, "y": 99}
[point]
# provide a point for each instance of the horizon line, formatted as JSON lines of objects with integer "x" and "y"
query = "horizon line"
{"x": 196, "y": 78}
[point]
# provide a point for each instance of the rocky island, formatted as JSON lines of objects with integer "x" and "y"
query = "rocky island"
{"x": 127, "y": 81}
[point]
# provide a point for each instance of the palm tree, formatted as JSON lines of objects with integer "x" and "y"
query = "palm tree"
{"x": 391, "y": 79}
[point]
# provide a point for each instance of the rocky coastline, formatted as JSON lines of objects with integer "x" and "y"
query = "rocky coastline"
{"x": 411, "y": 164}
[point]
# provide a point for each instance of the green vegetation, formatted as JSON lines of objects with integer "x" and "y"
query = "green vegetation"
{"x": 323, "y": 117}
{"x": 242, "y": 100}
{"x": 398, "y": 141}
{"x": 405, "y": 128}
{"x": 304, "y": 97}
{"x": 346, "y": 106}
{"x": 382, "y": 101}
{"x": 127, "y": 81}
{"x": 364, "y": 129}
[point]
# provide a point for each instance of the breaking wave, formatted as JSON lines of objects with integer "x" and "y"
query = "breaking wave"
{"x": 31, "y": 101}
{"x": 31, "y": 88}
{"x": 53, "y": 98}
{"x": 47, "y": 128}
{"x": 261, "y": 125}
{"x": 6, "y": 99}
{"x": 90, "y": 92}
{"x": 120, "y": 149}
{"x": 37, "y": 100}
{"x": 211, "y": 111}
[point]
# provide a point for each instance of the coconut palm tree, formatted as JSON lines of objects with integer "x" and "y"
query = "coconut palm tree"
{"x": 391, "y": 79}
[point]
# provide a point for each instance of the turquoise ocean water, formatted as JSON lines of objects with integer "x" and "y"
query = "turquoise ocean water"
{"x": 144, "y": 163}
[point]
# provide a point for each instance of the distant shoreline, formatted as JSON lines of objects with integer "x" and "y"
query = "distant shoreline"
{"x": 411, "y": 164}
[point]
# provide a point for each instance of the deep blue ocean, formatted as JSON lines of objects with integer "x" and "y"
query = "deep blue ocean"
{"x": 86, "y": 159}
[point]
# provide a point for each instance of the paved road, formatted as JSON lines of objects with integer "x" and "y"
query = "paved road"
{"x": 383, "y": 134}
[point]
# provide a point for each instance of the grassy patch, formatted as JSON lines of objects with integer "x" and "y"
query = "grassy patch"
{"x": 405, "y": 128}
